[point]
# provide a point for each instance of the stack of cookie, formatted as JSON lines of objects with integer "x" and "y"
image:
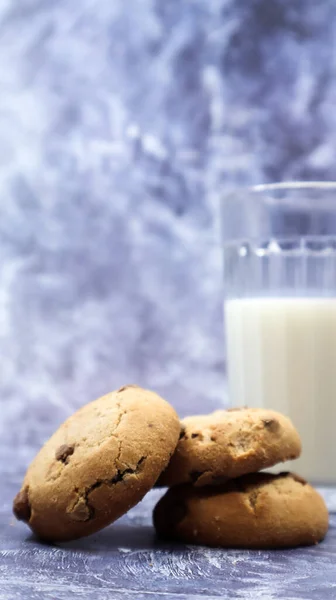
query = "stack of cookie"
{"x": 217, "y": 495}
{"x": 111, "y": 452}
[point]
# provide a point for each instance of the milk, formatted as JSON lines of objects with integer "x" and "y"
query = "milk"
{"x": 281, "y": 354}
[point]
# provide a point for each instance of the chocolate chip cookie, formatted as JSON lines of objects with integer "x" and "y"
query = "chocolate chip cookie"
{"x": 98, "y": 464}
{"x": 230, "y": 443}
{"x": 254, "y": 511}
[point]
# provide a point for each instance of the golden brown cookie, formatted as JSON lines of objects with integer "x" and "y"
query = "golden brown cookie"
{"x": 254, "y": 511}
{"x": 230, "y": 443}
{"x": 98, "y": 464}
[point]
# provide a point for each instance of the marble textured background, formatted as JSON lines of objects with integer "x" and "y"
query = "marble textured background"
{"x": 119, "y": 123}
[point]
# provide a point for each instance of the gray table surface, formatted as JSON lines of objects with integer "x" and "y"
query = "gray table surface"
{"x": 126, "y": 561}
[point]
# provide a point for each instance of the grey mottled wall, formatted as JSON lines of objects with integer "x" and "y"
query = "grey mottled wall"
{"x": 119, "y": 123}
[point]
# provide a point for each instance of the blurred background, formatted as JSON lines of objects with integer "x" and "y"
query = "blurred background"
{"x": 121, "y": 123}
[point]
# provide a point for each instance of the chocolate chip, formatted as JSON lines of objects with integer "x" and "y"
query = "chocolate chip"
{"x": 125, "y": 387}
{"x": 21, "y": 506}
{"x": 272, "y": 425}
{"x": 63, "y": 453}
{"x": 297, "y": 478}
{"x": 183, "y": 434}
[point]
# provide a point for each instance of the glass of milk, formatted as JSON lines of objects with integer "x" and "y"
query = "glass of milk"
{"x": 280, "y": 310}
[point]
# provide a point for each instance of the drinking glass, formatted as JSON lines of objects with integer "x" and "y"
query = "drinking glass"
{"x": 279, "y": 245}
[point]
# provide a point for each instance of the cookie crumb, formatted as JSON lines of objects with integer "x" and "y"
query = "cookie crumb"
{"x": 252, "y": 498}
{"x": 80, "y": 511}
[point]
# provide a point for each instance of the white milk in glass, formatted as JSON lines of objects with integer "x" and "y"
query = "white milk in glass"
{"x": 281, "y": 354}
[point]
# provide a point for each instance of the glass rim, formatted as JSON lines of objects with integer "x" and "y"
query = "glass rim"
{"x": 291, "y": 185}
{"x": 285, "y": 192}
{"x": 250, "y": 212}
